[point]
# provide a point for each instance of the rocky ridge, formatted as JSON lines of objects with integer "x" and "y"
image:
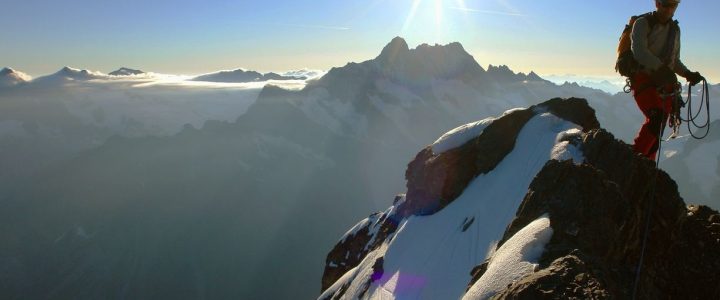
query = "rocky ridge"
{"x": 597, "y": 211}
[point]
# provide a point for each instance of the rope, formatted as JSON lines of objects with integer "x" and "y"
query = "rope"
{"x": 704, "y": 99}
{"x": 649, "y": 215}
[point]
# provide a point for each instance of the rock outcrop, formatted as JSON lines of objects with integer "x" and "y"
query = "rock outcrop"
{"x": 598, "y": 210}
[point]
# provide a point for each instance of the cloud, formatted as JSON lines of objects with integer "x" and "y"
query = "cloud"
{"x": 307, "y": 73}
{"x": 155, "y": 104}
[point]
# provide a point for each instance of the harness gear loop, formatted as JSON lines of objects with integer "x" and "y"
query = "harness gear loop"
{"x": 674, "y": 119}
{"x": 628, "y": 86}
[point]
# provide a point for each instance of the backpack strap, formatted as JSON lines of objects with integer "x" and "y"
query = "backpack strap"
{"x": 651, "y": 19}
{"x": 666, "y": 54}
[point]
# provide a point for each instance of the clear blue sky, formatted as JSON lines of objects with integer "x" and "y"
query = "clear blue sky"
{"x": 190, "y": 37}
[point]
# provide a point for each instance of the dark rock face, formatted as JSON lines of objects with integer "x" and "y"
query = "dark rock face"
{"x": 352, "y": 249}
{"x": 568, "y": 277}
{"x": 445, "y": 176}
{"x": 598, "y": 212}
{"x": 431, "y": 177}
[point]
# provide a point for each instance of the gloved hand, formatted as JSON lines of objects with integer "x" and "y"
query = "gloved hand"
{"x": 694, "y": 77}
{"x": 663, "y": 76}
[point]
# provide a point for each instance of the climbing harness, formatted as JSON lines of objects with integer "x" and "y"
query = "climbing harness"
{"x": 675, "y": 116}
{"x": 674, "y": 119}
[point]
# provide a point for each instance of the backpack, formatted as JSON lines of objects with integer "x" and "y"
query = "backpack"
{"x": 626, "y": 64}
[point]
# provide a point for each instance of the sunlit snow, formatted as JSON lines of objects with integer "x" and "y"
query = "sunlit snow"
{"x": 516, "y": 258}
{"x": 430, "y": 257}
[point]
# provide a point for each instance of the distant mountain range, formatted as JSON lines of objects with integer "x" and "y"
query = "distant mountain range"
{"x": 10, "y": 77}
{"x": 244, "y": 208}
{"x": 241, "y": 75}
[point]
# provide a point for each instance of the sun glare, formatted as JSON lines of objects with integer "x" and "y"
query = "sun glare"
{"x": 411, "y": 14}
{"x": 425, "y": 10}
{"x": 438, "y": 12}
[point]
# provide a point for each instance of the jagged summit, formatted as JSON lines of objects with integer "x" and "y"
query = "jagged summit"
{"x": 558, "y": 202}
{"x": 421, "y": 67}
{"x": 534, "y": 77}
{"x": 418, "y": 67}
{"x": 502, "y": 73}
{"x": 123, "y": 71}
{"x": 426, "y": 61}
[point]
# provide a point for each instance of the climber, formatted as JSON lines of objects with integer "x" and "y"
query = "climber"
{"x": 655, "y": 45}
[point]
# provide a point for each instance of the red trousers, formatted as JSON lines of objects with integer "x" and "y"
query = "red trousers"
{"x": 656, "y": 110}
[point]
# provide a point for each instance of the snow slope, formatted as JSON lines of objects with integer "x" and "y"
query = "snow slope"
{"x": 430, "y": 257}
{"x": 515, "y": 259}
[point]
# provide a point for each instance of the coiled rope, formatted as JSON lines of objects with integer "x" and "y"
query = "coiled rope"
{"x": 704, "y": 99}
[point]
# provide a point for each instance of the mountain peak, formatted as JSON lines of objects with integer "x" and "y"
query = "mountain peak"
{"x": 427, "y": 62}
{"x": 68, "y": 69}
{"x": 9, "y": 77}
{"x": 6, "y": 71}
{"x": 415, "y": 68}
{"x": 70, "y": 73}
{"x": 397, "y": 47}
{"x": 504, "y": 74}
{"x": 123, "y": 71}
{"x": 534, "y": 77}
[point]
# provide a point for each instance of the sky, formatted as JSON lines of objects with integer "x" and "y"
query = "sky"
{"x": 194, "y": 37}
